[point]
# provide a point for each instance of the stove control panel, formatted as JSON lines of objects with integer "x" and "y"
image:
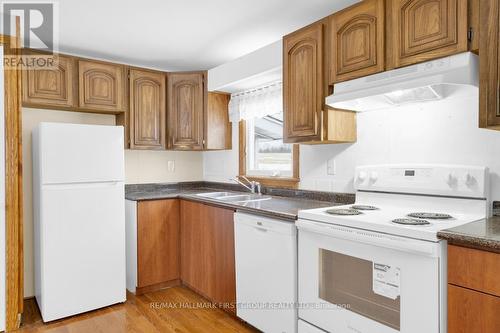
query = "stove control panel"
{"x": 445, "y": 180}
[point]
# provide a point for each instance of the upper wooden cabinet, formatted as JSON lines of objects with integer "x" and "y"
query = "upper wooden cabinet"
{"x": 303, "y": 84}
{"x": 102, "y": 86}
{"x": 489, "y": 63}
{"x": 186, "y": 98}
{"x": 51, "y": 88}
{"x": 357, "y": 41}
{"x": 306, "y": 119}
{"x": 147, "y": 109}
{"x": 420, "y": 30}
{"x": 218, "y": 131}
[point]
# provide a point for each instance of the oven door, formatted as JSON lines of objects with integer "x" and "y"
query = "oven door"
{"x": 352, "y": 280}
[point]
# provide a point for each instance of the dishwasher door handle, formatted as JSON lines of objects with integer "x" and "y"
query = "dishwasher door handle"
{"x": 261, "y": 229}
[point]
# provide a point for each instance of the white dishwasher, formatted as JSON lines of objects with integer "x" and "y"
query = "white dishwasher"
{"x": 266, "y": 272}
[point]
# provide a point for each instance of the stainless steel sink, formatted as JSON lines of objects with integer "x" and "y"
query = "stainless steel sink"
{"x": 234, "y": 197}
{"x": 245, "y": 198}
{"x": 215, "y": 195}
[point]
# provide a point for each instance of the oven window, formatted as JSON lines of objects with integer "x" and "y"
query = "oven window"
{"x": 346, "y": 280}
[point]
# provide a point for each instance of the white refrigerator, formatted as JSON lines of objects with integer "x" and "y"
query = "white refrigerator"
{"x": 79, "y": 218}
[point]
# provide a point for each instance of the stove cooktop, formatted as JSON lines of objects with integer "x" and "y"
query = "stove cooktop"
{"x": 392, "y": 219}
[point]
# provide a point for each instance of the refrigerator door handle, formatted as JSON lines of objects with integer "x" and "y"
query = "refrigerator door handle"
{"x": 110, "y": 183}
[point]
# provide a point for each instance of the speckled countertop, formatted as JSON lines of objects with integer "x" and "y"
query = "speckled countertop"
{"x": 482, "y": 235}
{"x": 285, "y": 204}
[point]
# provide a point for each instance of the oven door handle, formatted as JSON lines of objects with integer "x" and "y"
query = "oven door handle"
{"x": 410, "y": 245}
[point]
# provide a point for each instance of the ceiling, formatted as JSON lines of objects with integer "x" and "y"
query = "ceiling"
{"x": 181, "y": 35}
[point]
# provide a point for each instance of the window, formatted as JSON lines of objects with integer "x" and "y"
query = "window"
{"x": 266, "y": 153}
{"x": 263, "y": 155}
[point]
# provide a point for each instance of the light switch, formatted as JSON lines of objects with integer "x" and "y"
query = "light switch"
{"x": 330, "y": 167}
{"x": 171, "y": 166}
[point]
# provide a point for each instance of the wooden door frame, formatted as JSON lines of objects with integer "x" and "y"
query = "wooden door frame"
{"x": 14, "y": 260}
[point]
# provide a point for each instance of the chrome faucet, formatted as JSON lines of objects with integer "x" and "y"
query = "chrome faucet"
{"x": 252, "y": 186}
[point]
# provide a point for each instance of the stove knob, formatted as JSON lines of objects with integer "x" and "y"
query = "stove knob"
{"x": 451, "y": 180}
{"x": 362, "y": 176}
{"x": 373, "y": 177}
{"x": 470, "y": 180}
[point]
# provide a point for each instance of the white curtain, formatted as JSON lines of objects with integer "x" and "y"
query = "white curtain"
{"x": 256, "y": 103}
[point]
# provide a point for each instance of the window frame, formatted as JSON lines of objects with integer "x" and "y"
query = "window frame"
{"x": 289, "y": 182}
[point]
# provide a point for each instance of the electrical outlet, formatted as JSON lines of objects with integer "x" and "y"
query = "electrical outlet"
{"x": 330, "y": 167}
{"x": 171, "y": 166}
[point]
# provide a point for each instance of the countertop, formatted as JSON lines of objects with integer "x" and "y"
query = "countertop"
{"x": 483, "y": 234}
{"x": 282, "y": 207}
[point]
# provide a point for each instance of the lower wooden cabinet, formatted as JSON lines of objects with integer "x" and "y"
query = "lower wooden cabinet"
{"x": 473, "y": 290}
{"x": 207, "y": 252}
{"x": 470, "y": 311}
{"x": 153, "y": 244}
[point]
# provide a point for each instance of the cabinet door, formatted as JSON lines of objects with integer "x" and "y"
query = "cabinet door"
{"x": 218, "y": 128}
{"x": 420, "y": 30}
{"x": 102, "y": 86}
{"x": 51, "y": 88}
{"x": 303, "y": 84}
{"x": 197, "y": 248}
{"x": 225, "y": 269}
{"x": 147, "y": 110}
{"x": 158, "y": 241}
{"x": 207, "y": 252}
{"x": 357, "y": 41}
{"x": 186, "y": 104}
{"x": 470, "y": 311}
{"x": 489, "y": 63}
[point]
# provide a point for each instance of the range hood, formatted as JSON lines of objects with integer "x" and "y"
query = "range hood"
{"x": 427, "y": 81}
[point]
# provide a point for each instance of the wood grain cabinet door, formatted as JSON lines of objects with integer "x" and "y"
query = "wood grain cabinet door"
{"x": 225, "y": 266}
{"x": 102, "y": 86}
{"x": 197, "y": 248}
{"x": 53, "y": 87}
{"x": 489, "y": 63}
{"x": 420, "y": 30}
{"x": 218, "y": 130}
{"x": 207, "y": 252}
{"x": 470, "y": 311}
{"x": 147, "y": 110}
{"x": 158, "y": 242}
{"x": 357, "y": 41}
{"x": 303, "y": 84}
{"x": 186, "y": 98}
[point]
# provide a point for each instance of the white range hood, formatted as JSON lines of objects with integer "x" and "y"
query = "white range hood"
{"x": 428, "y": 81}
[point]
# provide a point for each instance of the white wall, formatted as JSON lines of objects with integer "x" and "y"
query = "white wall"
{"x": 439, "y": 132}
{"x": 221, "y": 166}
{"x": 140, "y": 167}
{"x": 255, "y": 64}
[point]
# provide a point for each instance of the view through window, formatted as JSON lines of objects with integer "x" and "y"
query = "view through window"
{"x": 267, "y": 155}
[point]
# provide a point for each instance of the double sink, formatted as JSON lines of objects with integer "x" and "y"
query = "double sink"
{"x": 234, "y": 197}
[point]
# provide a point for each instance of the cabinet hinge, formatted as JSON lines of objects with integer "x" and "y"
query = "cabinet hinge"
{"x": 470, "y": 34}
